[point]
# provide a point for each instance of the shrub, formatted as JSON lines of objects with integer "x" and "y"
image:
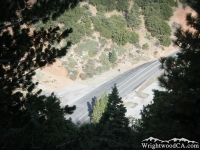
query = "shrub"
{"x": 64, "y": 63}
{"x": 92, "y": 52}
{"x": 102, "y": 41}
{"x": 133, "y": 38}
{"x": 104, "y": 61}
{"x": 120, "y": 36}
{"x": 119, "y": 49}
{"x": 157, "y": 27}
{"x": 157, "y": 43}
{"x": 86, "y": 6}
{"x": 71, "y": 62}
{"x": 89, "y": 46}
{"x": 99, "y": 70}
{"x": 133, "y": 17}
{"x": 165, "y": 41}
{"x": 90, "y": 75}
{"x": 122, "y": 5}
{"x": 114, "y": 28}
{"x": 148, "y": 36}
{"x": 112, "y": 56}
{"x": 137, "y": 45}
{"x": 130, "y": 55}
{"x": 83, "y": 76}
{"x": 101, "y": 8}
{"x": 73, "y": 74}
{"x": 145, "y": 46}
{"x": 89, "y": 67}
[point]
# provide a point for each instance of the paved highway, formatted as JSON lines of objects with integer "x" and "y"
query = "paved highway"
{"x": 126, "y": 83}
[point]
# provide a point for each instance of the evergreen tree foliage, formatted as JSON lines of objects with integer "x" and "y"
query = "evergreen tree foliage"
{"x": 119, "y": 49}
{"x": 133, "y": 17}
{"x": 110, "y": 5}
{"x": 114, "y": 28}
{"x": 112, "y": 56}
{"x": 145, "y": 46}
{"x": 99, "y": 108}
{"x": 76, "y": 18}
{"x": 121, "y": 37}
{"x": 166, "y": 12}
{"x": 116, "y": 133}
{"x": 90, "y": 47}
{"x": 104, "y": 59}
{"x": 112, "y": 131}
{"x": 156, "y": 12}
{"x": 175, "y": 112}
{"x": 123, "y": 5}
{"x": 165, "y": 40}
{"x": 27, "y": 119}
{"x": 159, "y": 29}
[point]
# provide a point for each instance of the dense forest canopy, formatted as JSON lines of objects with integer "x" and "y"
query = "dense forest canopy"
{"x": 110, "y": 5}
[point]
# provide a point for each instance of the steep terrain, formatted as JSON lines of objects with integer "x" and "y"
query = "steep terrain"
{"x": 57, "y": 76}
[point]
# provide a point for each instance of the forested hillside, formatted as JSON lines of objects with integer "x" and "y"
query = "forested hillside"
{"x": 96, "y": 36}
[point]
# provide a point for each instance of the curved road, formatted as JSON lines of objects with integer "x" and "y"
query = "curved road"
{"x": 126, "y": 83}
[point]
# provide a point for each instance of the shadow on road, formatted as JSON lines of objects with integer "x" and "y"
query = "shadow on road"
{"x": 90, "y": 106}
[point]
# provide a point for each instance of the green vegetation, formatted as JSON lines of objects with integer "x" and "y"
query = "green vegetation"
{"x": 133, "y": 17}
{"x": 148, "y": 36}
{"x": 99, "y": 108}
{"x": 165, "y": 40}
{"x": 114, "y": 28}
{"x": 104, "y": 59}
{"x": 106, "y": 25}
{"x": 69, "y": 19}
{"x": 122, "y": 5}
{"x": 29, "y": 119}
{"x": 156, "y": 12}
{"x": 174, "y": 111}
{"x": 102, "y": 41}
{"x": 83, "y": 76}
{"x": 112, "y": 56}
{"x": 113, "y": 123}
{"x": 89, "y": 47}
{"x": 145, "y": 46}
{"x": 159, "y": 28}
{"x": 71, "y": 62}
{"x": 119, "y": 49}
{"x": 89, "y": 68}
{"x": 72, "y": 74}
{"x": 110, "y": 5}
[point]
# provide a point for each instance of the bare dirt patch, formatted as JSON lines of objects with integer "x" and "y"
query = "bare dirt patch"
{"x": 52, "y": 77}
{"x": 180, "y": 16}
{"x": 114, "y": 12}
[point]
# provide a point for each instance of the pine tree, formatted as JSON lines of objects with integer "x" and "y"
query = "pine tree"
{"x": 99, "y": 108}
{"x": 115, "y": 132}
{"x": 133, "y": 17}
{"x": 112, "y": 56}
{"x": 26, "y": 116}
{"x": 175, "y": 112}
{"x": 96, "y": 114}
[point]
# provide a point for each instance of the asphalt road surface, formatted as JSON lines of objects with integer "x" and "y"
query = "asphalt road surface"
{"x": 126, "y": 83}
